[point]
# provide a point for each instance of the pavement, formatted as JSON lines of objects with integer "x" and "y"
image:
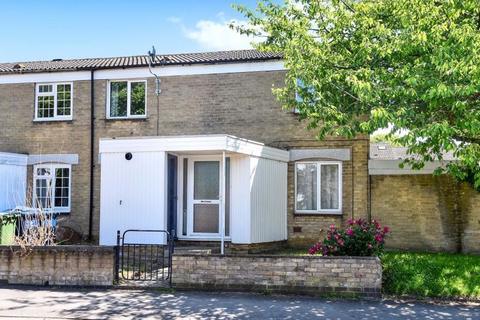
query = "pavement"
{"x": 50, "y": 303}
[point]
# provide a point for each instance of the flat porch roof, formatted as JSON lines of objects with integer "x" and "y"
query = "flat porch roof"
{"x": 194, "y": 144}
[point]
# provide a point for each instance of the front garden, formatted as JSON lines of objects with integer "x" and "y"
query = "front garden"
{"x": 417, "y": 274}
{"x": 424, "y": 275}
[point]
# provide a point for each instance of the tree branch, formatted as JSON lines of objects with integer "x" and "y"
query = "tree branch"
{"x": 349, "y": 7}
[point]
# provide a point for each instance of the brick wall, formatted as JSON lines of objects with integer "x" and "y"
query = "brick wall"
{"x": 305, "y": 229}
{"x": 240, "y": 104}
{"x": 302, "y": 274}
{"x": 57, "y": 265}
{"x": 471, "y": 220}
{"x": 427, "y": 212}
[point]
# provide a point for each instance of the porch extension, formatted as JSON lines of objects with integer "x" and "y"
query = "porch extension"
{"x": 199, "y": 188}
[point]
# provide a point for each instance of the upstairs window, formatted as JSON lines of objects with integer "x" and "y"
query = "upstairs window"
{"x": 53, "y": 101}
{"x": 318, "y": 187}
{"x": 308, "y": 90}
{"x": 51, "y": 187}
{"x": 127, "y": 99}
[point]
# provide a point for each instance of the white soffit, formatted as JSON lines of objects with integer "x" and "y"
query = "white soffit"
{"x": 342, "y": 154}
{"x": 53, "y": 158}
{"x": 391, "y": 167}
{"x": 15, "y": 159}
{"x": 141, "y": 72}
{"x": 193, "y": 144}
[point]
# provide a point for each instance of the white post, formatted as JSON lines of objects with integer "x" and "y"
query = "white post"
{"x": 222, "y": 210}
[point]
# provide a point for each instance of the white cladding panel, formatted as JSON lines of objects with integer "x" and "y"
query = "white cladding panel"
{"x": 133, "y": 196}
{"x": 240, "y": 199}
{"x": 268, "y": 200}
{"x": 12, "y": 186}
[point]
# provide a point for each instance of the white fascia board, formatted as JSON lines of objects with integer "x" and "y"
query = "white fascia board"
{"x": 45, "y": 77}
{"x": 187, "y": 70}
{"x": 143, "y": 72}
{"x": 153, "y": 144}
{"x": 15, "y": 159}
{"x": 193, "y": 143}
{"x": 53, "y": 158}
{"x": 391, "y": 167}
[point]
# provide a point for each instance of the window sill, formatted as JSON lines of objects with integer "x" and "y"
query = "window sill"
{"x": 318, "y": 213}
{"x": 51, "y": 120}
{"x": 127, "y": 119}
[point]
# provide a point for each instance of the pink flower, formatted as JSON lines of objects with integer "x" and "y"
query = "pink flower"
{"x": 315, "y": 248}
{"x": 369, "y": 246}
{"x": 386, "y": 230}
{"x": 349, "y": 232}
{"x": 332, "y": 227}
{"x": 378, "y": 238}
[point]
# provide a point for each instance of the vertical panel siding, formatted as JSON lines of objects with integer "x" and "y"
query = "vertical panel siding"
{"x": 133, "y": 196}
{"x": 268, "y": 194}
{"x": 240, "y": 200}
{"x": 12, "y": 186}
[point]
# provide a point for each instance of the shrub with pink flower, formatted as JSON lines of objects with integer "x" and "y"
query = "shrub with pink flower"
{"x": 359, "y": 238}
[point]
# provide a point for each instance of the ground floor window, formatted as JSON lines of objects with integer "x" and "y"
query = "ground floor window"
{"x": 318, "y": 187}
{"x": 52, "y": 186}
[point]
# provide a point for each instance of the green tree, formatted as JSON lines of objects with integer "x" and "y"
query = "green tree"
{"x": 361, "y": 65}
{"x": 383, "y": 137}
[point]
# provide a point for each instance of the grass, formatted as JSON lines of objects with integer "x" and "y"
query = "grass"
{"x": 437, "y": 275}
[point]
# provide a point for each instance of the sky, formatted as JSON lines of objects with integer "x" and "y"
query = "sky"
{"x": 48, "y": 29}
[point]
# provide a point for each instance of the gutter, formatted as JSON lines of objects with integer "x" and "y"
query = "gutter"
{"x": 92, "y": 153}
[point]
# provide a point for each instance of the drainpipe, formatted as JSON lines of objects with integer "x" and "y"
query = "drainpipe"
{"x": 352, "y": 148}
{"x": 92, "y": 153}
{"x": 369, "y": 204}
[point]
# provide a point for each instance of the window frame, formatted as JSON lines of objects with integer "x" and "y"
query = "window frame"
{"x": 320, "y": 211}
{"x": 53, "y": 167}
{"x": 38, "y": 94}
{"x": 129, "y": 86}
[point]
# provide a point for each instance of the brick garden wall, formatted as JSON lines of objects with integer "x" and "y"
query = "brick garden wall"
{"x": 427, "y": 212}
{"x": 289, "y": 274}
{"x": 57, "y": 265}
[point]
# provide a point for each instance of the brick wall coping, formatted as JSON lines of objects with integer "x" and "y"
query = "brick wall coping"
{"x": 259, "y": 256}
{"x": 61, "y": 248}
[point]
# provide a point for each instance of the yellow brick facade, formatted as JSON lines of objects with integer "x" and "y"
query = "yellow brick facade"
{"x": 240, "y": 104}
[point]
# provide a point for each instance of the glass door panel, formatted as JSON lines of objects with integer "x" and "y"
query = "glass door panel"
{"x": 205, "y": 218}
{"x": 206, "y": 197}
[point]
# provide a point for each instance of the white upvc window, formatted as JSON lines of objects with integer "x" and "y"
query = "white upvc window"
{"x": 318, "y": 187}
{"x": 52, "y": 187}
{"x": 53, "y": 101}
{"x": 126, "y": 99}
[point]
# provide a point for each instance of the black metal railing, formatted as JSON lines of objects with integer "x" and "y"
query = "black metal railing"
{"x": 139, "y": 261}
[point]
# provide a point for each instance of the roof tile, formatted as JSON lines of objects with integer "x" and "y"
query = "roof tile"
{"x": 139, "y": 61}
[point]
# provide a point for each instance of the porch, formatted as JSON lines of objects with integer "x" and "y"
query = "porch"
{"x": 199, "y": 188}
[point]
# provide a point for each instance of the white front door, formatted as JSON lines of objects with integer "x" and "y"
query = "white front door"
{"x": 204, "y": 196}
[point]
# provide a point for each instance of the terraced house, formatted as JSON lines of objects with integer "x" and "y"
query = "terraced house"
{"x": 212, "y": 155}
{"x": 197, "y": 145}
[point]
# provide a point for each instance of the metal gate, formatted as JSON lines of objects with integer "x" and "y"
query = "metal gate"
{"x": 138, "y": 261}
